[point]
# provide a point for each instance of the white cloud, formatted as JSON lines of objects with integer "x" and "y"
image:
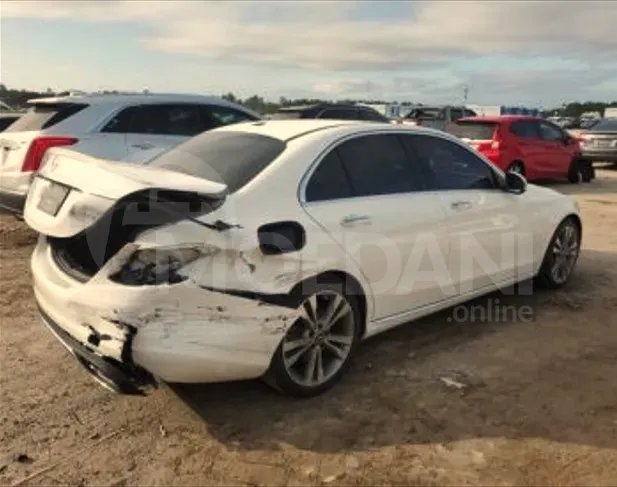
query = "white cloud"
{"x": 335, "y": 52}
{"x": 324, "y": 35}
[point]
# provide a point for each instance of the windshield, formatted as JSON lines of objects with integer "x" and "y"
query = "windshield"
{"x": 606, "y": 125}
{"x": 473, "y": 130}
{"x": 232, "y": 158}
{"x": 44, "y": 115}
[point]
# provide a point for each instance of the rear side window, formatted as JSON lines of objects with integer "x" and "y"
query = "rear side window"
{"x": 231, "y": 158}
{"x": 42, "y": 116}
{"x": 474, "y": 130}
{"x": 525, "y": 128}
{"x": 179, "y": 120}
{"x": 378, "y": 165}
{"x": 329, "y": 181}
{"x": 455, "y": 114}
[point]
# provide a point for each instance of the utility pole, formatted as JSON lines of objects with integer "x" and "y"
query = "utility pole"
{"x": 465, "y": 93}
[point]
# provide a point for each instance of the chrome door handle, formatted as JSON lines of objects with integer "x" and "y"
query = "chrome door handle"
{"x": 352, "y": 219}
{"x": 460, "y": 205}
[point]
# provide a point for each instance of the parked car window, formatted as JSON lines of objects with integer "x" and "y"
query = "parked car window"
{"x": 287, "y": 115}
{"x": 525, "y": 128}
{"x": 450, "y": 166}
{"x": 329, "y": 180}
{"x": 550, "y": 132}
{"x": 607, "y": 124}
{"x": 226, "y": 115}
{"x": 377, "y": 165}
{"x": 339, "y": 114}
{"x": 182, "y": 120}
{"x": 231, "y": 158}
{"x": 5, "y": 122}
{"x": 474, "y": 130}
{"x": 469, "y": 113}
{"x": 41, "y": 116}
{"x": 371, "y": 115}
{"x": 455, "y": 114}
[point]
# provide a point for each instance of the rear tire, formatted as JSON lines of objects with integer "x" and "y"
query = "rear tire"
{"x": 517, "y": 167}
{"x": 315, "y": 351}
{"x": 574, "y": 172}
{"x": 561, "y": 255}
{"x": 587, "y": 170}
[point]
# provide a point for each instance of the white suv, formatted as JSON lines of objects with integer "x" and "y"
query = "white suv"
{"x": 129, "y": 128}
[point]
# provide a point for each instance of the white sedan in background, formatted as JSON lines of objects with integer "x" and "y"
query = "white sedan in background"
{"x": 270, "y": 249}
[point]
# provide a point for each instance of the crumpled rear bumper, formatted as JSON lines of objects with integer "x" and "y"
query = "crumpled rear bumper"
{"x": 176, "y": 333}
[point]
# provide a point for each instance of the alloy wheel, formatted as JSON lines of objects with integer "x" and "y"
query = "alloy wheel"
{"x": 565, "y": 252}
{"x": 319, "y": 342}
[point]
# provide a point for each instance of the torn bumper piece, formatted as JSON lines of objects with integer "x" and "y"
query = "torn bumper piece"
{"x": 179, "y": 333}
{"x": 118, "y": 377}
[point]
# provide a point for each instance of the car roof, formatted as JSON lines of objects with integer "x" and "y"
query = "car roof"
{"x": 498, "y": 118}
{"x": 286, "y": 130}
{"x": 121, "y": 99}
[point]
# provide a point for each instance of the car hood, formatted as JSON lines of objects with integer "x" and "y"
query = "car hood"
{"x": 71, "y": 191}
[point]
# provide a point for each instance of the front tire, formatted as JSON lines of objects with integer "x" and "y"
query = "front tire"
{"x": 561, "y": 255}
{"x": 317, "y": 347}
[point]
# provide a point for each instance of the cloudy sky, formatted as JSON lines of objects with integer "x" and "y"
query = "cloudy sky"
{"x": 509, "y": 52}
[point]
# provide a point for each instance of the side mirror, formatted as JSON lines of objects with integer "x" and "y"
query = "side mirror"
{"x": 515, "y": 183}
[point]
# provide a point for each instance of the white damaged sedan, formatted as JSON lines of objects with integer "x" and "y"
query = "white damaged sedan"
{"x": 270, "y": 249}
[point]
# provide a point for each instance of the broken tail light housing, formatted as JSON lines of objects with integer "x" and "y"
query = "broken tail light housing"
{"x": 153, "y": 266}
{"x": 38, "y": 148}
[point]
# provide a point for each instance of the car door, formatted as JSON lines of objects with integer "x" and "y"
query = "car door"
{"x": 368, "y": 196}
{"x": 528, "y": 146}
{"x": 489, "y": 239}
{"x": 157, "y": 127}
{"x": 557, "y": 155}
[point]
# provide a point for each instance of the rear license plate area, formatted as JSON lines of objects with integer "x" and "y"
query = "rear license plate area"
{"x": 51, "y": 196}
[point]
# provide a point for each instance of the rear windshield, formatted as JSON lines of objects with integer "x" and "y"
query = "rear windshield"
{"x": 473, "y": 130}
{"x": 41, "y": 116}
{"x": 231, "y": 158}
{"x": 606, "y": 125}
{"x": 287, "y": 115}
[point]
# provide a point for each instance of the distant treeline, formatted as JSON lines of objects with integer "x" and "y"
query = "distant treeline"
{"x": 18, "y": 98}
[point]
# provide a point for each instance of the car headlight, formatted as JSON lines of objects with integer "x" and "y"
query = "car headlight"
{"x": 157, "y": 265}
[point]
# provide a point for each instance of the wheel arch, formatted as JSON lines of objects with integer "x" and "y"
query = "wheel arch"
{"x": 351, "y": 285}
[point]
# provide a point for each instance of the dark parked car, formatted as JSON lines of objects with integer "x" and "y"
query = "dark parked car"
{"x": 7, "y": 119}
{"x": 599, "y": 143}
{"x": 334, "y": 111}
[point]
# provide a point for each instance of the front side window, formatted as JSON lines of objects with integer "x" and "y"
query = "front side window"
{"x": 180, "y": 120}
{"x": 378, "y": 165}
{"x": 450, "y": 166}
{"x": 550, "y": 132}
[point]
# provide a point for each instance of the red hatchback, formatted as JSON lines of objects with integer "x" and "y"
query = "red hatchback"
{"x": 532, "y": 146}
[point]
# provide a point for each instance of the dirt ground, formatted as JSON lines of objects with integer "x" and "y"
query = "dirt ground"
{"x": 539, "y": 406}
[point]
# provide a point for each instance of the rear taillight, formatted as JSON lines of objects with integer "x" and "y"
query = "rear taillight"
{"x": 39, "y": 146}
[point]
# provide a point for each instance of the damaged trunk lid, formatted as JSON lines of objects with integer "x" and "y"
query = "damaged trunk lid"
{"x": 73, "y": 191}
